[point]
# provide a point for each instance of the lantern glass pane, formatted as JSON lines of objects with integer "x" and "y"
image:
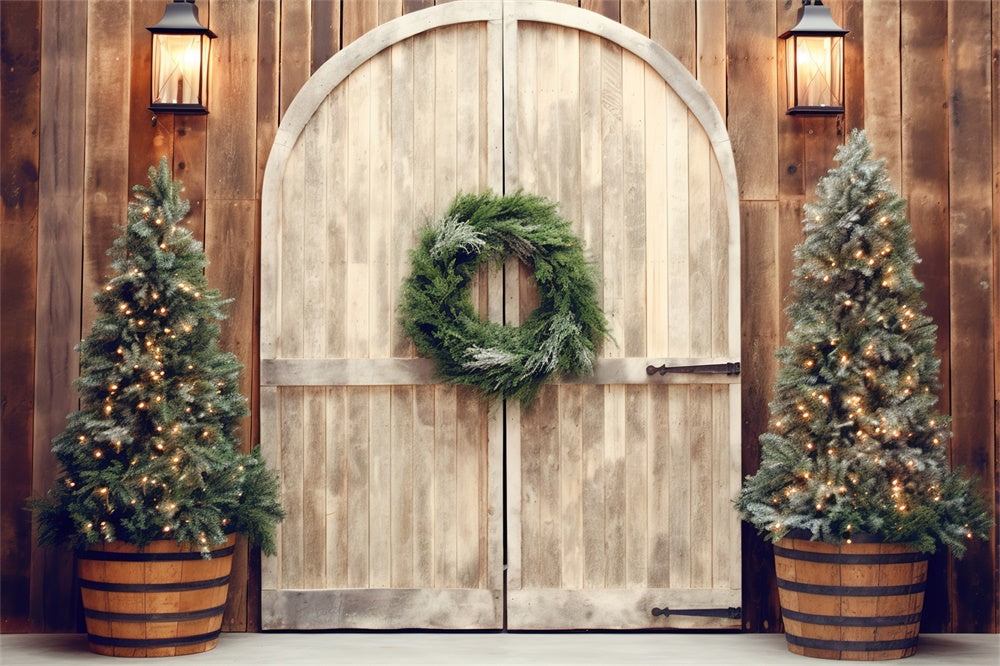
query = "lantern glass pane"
{"x": 818, "y": 71}
{"x": 177, "y": 69}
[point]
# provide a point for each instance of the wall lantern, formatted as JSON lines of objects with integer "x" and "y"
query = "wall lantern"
{"x": 180, "y": 60}
{"x": 814, "y": 62}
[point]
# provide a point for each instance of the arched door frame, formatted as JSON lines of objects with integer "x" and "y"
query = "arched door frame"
{"x": 502, "y": 19}
{"x": 510, "y": 12}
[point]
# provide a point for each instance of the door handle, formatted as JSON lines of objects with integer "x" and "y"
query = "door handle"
{"x": 706, "y": 368}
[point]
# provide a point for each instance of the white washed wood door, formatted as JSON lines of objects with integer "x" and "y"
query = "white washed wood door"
{"x": 619, "y": 487}
{"x": 393, "y": 483}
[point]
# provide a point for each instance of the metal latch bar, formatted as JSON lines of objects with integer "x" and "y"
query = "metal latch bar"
{"x": 707, "y": 368}
{"x": 730, "y": 613}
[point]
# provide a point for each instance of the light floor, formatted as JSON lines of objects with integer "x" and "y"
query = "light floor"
{"x": 666, "y": 649}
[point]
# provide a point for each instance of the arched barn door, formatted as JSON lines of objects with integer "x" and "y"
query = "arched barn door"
{"x": 413, "y": 504}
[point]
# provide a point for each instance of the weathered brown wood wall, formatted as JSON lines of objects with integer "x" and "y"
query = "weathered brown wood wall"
{"x": 922, "y": 76}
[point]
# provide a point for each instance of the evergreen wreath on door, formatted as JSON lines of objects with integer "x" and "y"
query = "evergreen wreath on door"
{"x": 561, "y": 336}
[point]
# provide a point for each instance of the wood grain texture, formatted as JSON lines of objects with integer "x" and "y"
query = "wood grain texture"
{"x": 751, "y": 116}
{"x": 60, "y": 253}
{"x": 761, "y": 310}
{"x": 971, "y": 97}
{"x": 20, "y": 80}
{"x": 883, "y": 84}
{"x": 924, "y": 184}
{"x": 889, "y": 102}
{"x": 605, "y": 502}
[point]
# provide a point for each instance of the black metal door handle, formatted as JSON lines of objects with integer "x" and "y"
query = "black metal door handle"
{"x": 707, "y": 368}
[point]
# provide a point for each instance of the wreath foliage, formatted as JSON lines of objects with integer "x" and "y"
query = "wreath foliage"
{"x": 561, "y": 336}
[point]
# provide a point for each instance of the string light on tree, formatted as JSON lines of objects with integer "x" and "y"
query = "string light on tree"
{"x": 136, "y": 439}
{"x": 854, "y": 444}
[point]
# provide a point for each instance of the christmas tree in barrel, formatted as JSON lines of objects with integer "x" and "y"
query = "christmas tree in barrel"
{"x": 152, "y": 452}
{"x": 855, "y": 445}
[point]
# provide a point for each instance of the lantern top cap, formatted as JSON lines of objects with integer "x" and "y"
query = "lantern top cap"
{"x": 815, "y": 20}
{"x": 180, "y": 17}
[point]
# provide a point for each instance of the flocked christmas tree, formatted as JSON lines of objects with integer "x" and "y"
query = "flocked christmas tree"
{"x": 854, "y": 443}
{"x": 153, "y": 451}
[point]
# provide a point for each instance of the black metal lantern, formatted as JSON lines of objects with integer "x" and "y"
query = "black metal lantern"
{"x": 814, "y": 62}
{"x": 180, "y": 60}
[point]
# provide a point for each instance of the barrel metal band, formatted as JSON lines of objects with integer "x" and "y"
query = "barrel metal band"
{"x": 109, "y": 556}
{"x": 837, "y": 558}
{"x": 843, "y": 621}
{"x": 153, "y": 587}
{"x": 851, "y": 591}
{"x": 154, "y": 617}
{"x": 851, "y": 646}
{"x": 152, "y": 642}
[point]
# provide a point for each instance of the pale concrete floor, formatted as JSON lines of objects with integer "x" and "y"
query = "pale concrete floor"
{"x": 668, "y": 649}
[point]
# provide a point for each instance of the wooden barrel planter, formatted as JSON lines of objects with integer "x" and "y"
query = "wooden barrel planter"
{"x": 159, "y": 601}
{"x": 858, "y": 601}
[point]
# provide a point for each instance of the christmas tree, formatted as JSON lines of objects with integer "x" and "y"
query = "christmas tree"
{"x": 153, "y": 451}
{"x": 854, "y": 444}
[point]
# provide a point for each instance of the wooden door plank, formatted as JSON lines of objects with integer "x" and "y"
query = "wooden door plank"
{"x": 724, "y": 245}
{"x": 633, "y": 221}
{"x": 594, "y": 545}
{"x": 445, "y": 118}
{"x": 660, "y": 481}
{"x": 382, "y": 317}
{"x": 337, "y": 488}
{"x": 358, "y": 207}
{"x": 424, "y": 499}
{"x": 335, "y": 198}
{"x": 638, "y": 429}
{"x": 571, "y": 482}
{"x": 423, "y": 130}
{"x": 657, "y": 264}
{"x": 403, "y": 508}
{"x": 314, "y": 500}
{"x": 380, "y": 488}
{"x": 679, "y": 503}
{"x": 358, "y": 445}
{"x": 569, "y": 130}
{"x": 591, "y": 167}
{"x": 292, "y": 470}
{"x": 445, "y": 508}
{"x": 403, "y": 167}
{"x": 292, "y": 312}
{"x": 613, "y": 189}
{"x": 313, "y": 271}
{"x": 678, "y": 211}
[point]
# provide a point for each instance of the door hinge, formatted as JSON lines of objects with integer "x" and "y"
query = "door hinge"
{"x": 708, "y": 368}
{"x": 730, "y": 613}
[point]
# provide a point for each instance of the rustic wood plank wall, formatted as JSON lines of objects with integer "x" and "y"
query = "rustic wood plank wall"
{"x": 75, "y": 133}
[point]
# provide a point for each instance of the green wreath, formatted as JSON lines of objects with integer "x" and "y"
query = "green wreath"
{"x": 561, "y": 336}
